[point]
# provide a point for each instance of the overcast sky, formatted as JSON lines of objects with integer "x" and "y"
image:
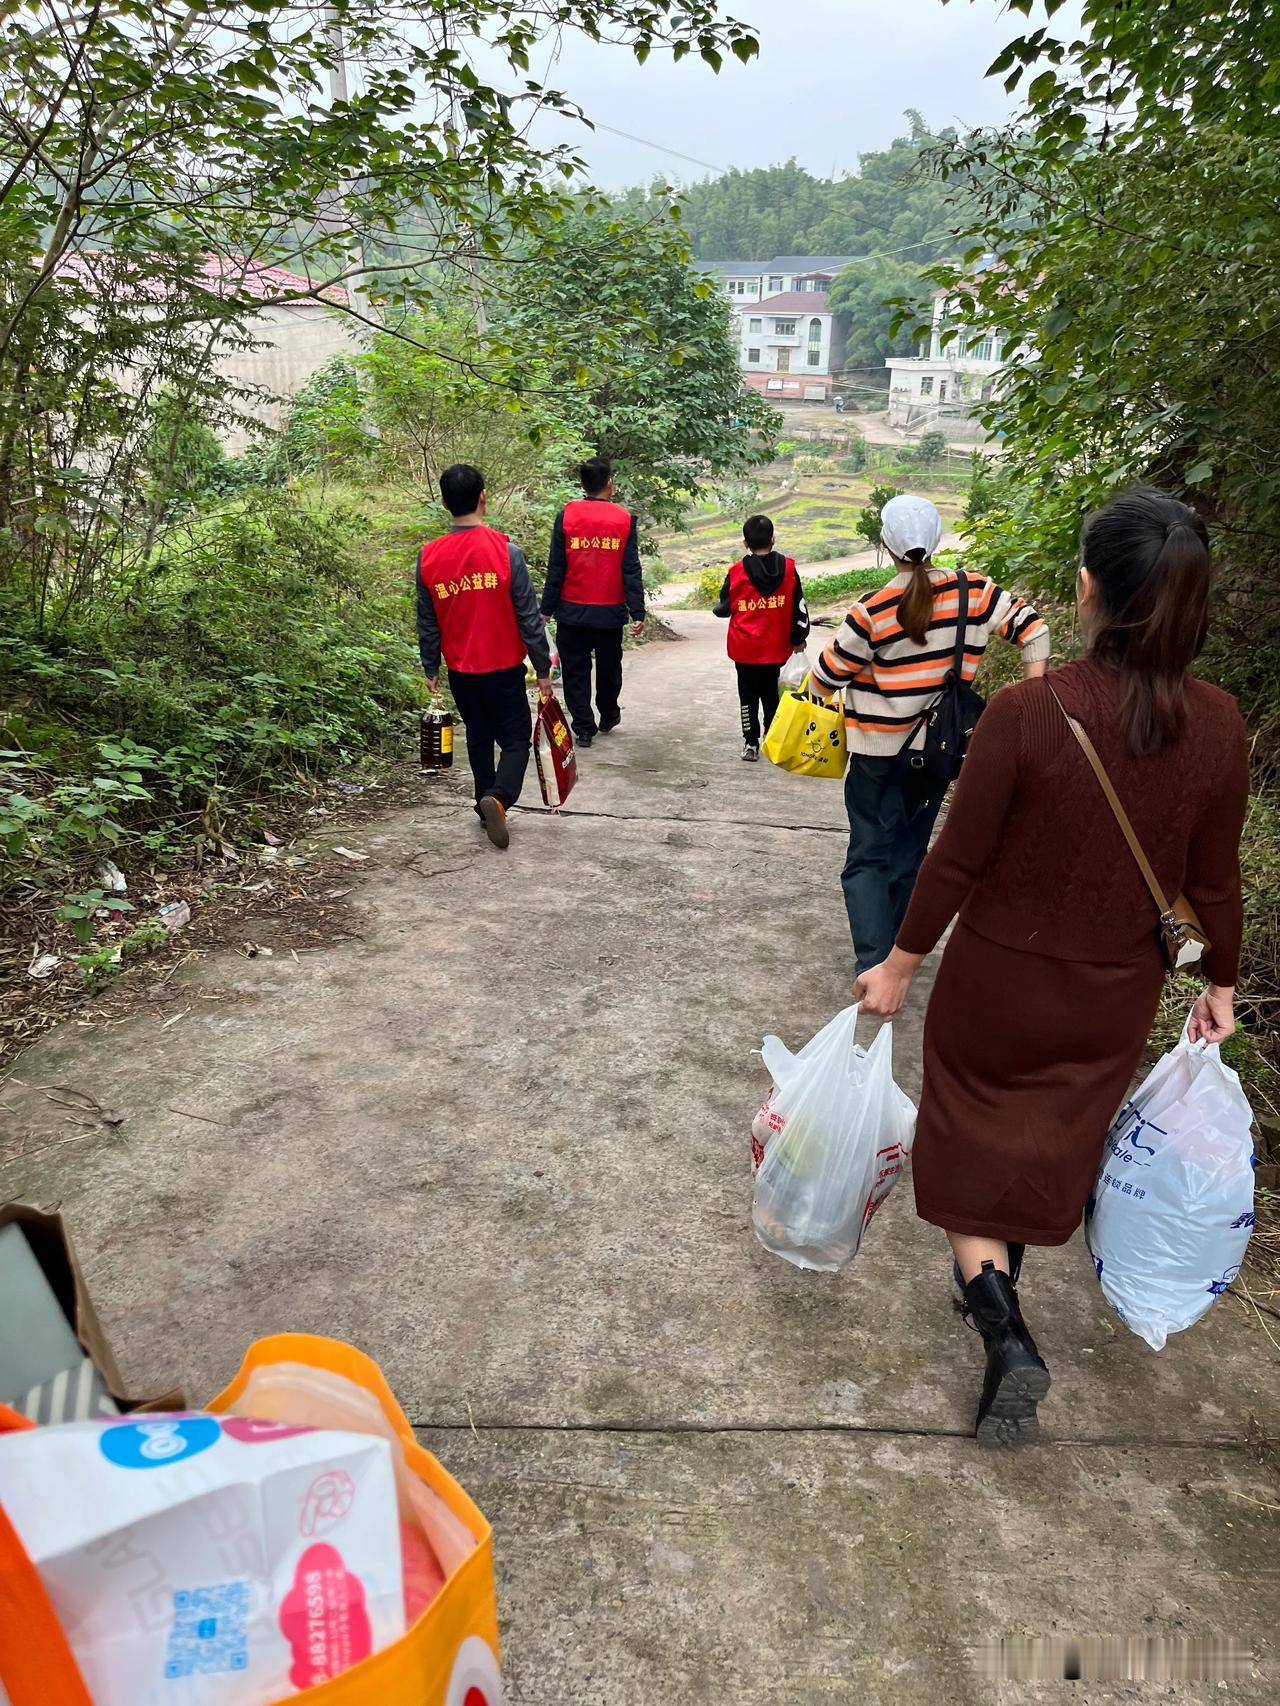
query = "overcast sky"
{"x": 832, "y": 80}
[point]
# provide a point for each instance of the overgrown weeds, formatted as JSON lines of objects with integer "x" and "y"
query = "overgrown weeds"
{"x": 269, "y": 644}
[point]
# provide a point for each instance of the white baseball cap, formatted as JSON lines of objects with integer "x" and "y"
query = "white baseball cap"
{"x": 909, "y": 523}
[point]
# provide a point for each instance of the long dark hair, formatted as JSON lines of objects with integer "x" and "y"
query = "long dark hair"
{"x": 915, "y": 607}
{"x": 1148, "y": 555}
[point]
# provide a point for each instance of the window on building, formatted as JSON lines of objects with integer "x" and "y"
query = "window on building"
{"x": 775, "y": 282}
{"x": 756, "y": 326}
{"x": 815, "y": 356}
{"x": 926, "y": 386}
{"x": 982, "y": 349}
{"x": 784, "y": 328}
{"x": 753, "y": 355}
{"x": 815, "y": 330}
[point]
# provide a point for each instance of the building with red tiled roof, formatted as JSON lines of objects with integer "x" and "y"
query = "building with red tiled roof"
{"x": 225, "y": 275}
{"x": 296, "y": 325}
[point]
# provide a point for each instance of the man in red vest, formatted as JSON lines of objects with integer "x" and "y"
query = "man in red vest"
{"x": 477, "y": 605}
{"x": 768, "y": 620}
{"x": 593, "y": 584}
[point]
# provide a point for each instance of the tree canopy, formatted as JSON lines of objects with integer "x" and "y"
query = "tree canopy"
{"x": 643, "y": 367}
{"x": 886, "y": 204}
{"x": 1134, "y": 214}
{"x": 863, "y": 295}
{"x": 161, "y": 164}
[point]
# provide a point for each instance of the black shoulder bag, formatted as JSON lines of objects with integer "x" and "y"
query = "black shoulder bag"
{"x": 948, "y": 723}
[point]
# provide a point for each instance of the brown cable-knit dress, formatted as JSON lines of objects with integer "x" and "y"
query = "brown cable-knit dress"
{"x": 1050, "y": 981}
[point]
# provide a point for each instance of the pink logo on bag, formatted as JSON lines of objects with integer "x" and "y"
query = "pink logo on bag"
{"x": 329, "y": 1497}
{"x": 324, "y": 1618}
{"x": 766, "y": 1126}
{"x": 888, "y": 1167}
{"x": 252, "y": 1430}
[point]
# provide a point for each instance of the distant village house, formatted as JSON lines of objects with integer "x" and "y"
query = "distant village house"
{"x": 944, "y": 387}
{"x": 790, "y": 346}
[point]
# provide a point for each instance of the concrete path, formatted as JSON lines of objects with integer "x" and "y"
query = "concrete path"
{"x": 501, "y": 1142}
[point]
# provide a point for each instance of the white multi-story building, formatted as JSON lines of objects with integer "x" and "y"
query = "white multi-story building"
{"x": 945, "y": 387}
{"x": 753, "y": 281}
{"x": 790, "y": 345}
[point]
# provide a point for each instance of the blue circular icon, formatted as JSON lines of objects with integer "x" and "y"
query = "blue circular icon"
{"x": 154, "y": 1443}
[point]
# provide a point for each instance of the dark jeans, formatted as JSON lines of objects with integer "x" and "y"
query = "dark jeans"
{"x": 888, "y": 840}
{"x": 495, "y": 709}
{"x": 576, "y": 644}
{"x": 758, "y": 696}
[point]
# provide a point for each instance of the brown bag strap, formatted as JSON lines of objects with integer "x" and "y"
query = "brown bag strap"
{"x": 1113, "y": 800}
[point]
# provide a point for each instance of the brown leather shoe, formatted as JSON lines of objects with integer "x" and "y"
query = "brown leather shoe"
{"x": 494, "y": 814}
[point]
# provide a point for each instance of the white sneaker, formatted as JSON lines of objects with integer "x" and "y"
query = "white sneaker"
{"x": 750, "y": 753}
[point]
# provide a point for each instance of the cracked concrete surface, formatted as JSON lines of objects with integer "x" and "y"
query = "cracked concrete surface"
{"x": 501, "y": 1143}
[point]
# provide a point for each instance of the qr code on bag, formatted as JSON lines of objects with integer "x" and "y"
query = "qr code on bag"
{"x": 210, "y": 1631}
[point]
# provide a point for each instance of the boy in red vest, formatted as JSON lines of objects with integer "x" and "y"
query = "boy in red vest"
{"x": 593, "y": 583}
{"x": 477, "y": 605}
{"x": 768, "y": 620}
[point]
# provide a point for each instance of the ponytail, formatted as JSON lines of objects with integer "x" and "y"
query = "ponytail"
{"x": 1149, "y": 555}
{"x": 915, "y": 607}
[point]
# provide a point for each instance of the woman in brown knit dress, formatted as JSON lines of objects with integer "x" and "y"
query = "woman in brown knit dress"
{"x": 1050, "y": 981}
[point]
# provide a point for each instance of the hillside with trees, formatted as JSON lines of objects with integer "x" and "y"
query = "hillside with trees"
{"x": 889, "y": 202}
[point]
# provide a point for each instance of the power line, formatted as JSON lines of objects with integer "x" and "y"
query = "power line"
{"x": 660, "y": 146}
{"x": 710, "y": 166}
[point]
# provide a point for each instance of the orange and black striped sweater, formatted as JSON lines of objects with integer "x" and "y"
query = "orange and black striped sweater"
{"x": 889, "y": 680}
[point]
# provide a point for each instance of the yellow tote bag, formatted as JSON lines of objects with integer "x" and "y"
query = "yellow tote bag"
{"x": 806, "y": 736}
{"x": 449, "y": 1657}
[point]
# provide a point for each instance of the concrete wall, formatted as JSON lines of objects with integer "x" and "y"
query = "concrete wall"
{"x": 295, "y": 342}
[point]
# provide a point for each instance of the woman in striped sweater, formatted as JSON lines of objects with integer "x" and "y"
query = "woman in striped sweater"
{"x": 891, "y": 657}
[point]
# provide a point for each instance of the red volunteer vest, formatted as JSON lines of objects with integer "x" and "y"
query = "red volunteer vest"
{"x": 760, "y": 623}
{"x": 468, "y": 575}
{"x": 595, "y": 534}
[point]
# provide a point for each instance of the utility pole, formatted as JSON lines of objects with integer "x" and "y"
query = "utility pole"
{"x": 338, "y": 91}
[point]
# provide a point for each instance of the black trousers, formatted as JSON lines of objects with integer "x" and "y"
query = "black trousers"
{"x": 495, "y": 709}
{"x": 577, "y": 644}
{"x": 758, "y": 694}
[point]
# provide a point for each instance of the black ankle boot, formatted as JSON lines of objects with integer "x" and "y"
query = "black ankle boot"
{"x": 1016, "y": 1253}
{"x": 1016, "y": 1378}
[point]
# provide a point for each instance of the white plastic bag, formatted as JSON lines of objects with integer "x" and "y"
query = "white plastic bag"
{"x": 835, "y": 1133}
{"x": 1169, "y": 1221}
{"x": 793, "y": 672}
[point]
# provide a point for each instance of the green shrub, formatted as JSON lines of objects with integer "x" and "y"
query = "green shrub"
{"x": 856, "y": 456}
{"x": 930, "y": 450}
{"x": 709, "y": 582}
{"x": 267, "y": 646}
{"x": 826, "y": 549}
{"x": 829, "y": 589}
